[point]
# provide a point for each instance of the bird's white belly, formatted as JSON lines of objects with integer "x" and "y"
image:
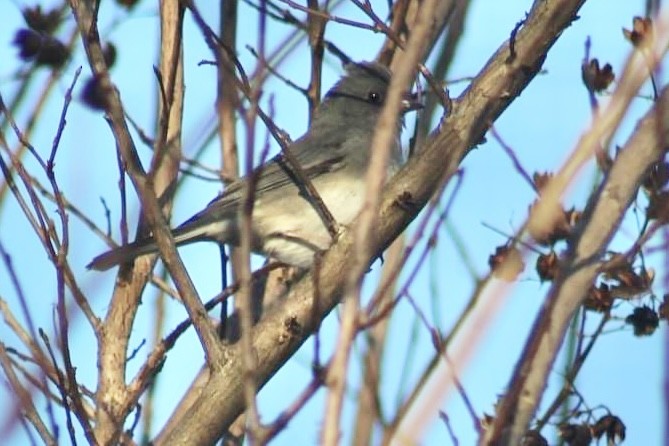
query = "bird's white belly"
{"x": 300, "y": 231}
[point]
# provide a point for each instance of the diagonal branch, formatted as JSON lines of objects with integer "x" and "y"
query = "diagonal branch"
{"x": 601, "y": 219}
{"x": 384, "y": 135}
{"x": 281, "y": 332}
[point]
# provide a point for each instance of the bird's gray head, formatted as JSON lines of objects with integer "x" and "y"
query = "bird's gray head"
{"x": 359, "y": 95}
{"x": 365, "y": 83}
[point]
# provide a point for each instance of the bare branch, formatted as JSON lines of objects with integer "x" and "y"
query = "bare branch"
{"x": 601, "y": 219}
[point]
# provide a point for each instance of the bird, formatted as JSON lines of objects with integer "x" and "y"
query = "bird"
{"x": 334, "y": 154}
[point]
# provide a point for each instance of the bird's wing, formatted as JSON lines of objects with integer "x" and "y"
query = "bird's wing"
{"x": 273, "y": 175}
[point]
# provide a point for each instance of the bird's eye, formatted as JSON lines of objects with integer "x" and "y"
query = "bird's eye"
{"x": 373, "y": 97}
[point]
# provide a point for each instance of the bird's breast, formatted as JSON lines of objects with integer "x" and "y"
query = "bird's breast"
{"x": 288, "y": 225}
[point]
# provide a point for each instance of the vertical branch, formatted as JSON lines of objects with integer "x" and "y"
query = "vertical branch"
{"x": 368, "y": 401}
{"x": 398, "y": 26}
{"x": 167, "y": 153}
{"x": 149, "y": 401}
{"x": 368, "y": 397}
{"x": 316, "y": 30}
{"x": 451, "y": 40}
{"x": 60, "y": 262}
{"x": 56, "y": 247}
{"x": 111, "y": 386}
{"x": 227, "y": 102}
{"x": 227, "y": 98}
{"x": 243, "y": 299}
{"x": 384, "y": 135}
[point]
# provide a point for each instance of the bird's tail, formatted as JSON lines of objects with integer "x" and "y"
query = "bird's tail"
{"x": 123, "y": 254}
{"x": 184, "y": 234}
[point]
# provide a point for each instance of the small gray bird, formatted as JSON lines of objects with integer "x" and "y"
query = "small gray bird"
{"x": 333, "y": 154}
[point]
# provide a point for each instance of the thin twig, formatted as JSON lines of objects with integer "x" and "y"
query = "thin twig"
{"x": 25, "y": 399}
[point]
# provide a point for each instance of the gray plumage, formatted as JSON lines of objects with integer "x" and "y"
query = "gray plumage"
{"x": 334, "y": 154}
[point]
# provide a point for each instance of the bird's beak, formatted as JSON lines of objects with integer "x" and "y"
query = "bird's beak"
{"x": 411, "y": 102}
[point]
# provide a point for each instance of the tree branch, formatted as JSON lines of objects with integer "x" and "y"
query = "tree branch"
{"x": 601, "y": 219}
{"x": 280, "y": 333}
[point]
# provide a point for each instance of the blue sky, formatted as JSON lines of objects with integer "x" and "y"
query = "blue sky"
{"x": 623, "y": 372}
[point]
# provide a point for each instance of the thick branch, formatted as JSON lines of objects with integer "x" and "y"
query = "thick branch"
{"x": 282, "y": 332}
